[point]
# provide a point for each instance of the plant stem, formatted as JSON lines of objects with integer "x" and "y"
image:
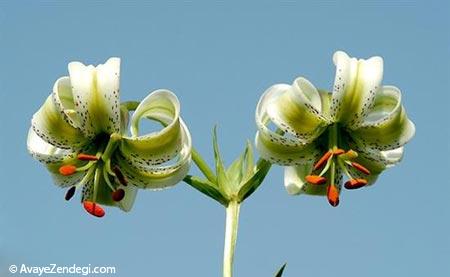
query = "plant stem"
{"x": 231, "y": 227}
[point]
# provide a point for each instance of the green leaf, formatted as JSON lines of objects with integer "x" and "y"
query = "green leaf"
{"x": 255, "y": 181}
{"x": 206, "y": 188}
{"x": 222, "y": 179}
{"x": 248, "y": 168}
{"x": 280, "y": 271}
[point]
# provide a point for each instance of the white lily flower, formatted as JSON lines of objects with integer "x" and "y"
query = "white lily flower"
{"x": 80, "y": 135}
{"x": 361, "y": 127}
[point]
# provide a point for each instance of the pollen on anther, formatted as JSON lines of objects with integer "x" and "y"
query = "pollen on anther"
{"x": 338, "y": 152}
{"x": 323, "y": 160}
{"x": 360, "y": 168}
{"x": 67, "y": 169}
{"x": 87, "y": 157}
{"x": 315, "y": 179}
{"x": 93, "y": 208}
{"x": 355, "y": 183}
{"x": 333, "y": 195}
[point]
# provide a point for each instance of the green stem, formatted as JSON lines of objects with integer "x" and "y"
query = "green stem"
{"x": 231, "y": 228}
{"x": 333, "y": 137}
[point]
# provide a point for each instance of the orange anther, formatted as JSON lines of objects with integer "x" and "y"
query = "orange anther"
{"x": 323, "y": 160}
{"x": 361, "y": 168}
{"x": 93, "y": 208}
{"x": 67, "y": 169}
{"x": 333, "y": 195}
{"x": 355, "y": 183}
{"x": 315, "y": 179}
{"x": 338, "y": 152}
{"x": 87, "y": 157}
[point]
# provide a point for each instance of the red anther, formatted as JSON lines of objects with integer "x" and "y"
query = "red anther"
{"x": 338, "y": 152}
{"x": 118, "y": 195}
{"x": 87, "y": 157}
{"x": 323, "y": 160}
{"x": 70, "y": 192}
{"x": 315, "y": 179}
{"x": 333, "y": 195}
{"x": 93, "y": 208}
{"x": 120, "y": 176}
{"x": 67, "y": 169}
{"x": 360, "y": 168}
{"x": 355, "y": 183}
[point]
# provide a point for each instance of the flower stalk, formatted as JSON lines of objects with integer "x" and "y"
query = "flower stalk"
{"x": 231, "y": 229}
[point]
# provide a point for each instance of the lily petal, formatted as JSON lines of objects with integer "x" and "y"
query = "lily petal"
{"x": 54, "y": 128}
{"x": 297, "y": 110}
{"x": 64, "y": 102}
{"x": 160, "y": 159}
{"x": 275, "y": 147}
{"x": 96, "y": 96}
{"x": 387, "y": 126}
{"x": 355, "y": 86}
{"x": 53, "y": 158}
{"x": 295, "y": 183}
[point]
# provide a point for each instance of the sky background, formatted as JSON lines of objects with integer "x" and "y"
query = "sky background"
{"x": 219, "y": 58}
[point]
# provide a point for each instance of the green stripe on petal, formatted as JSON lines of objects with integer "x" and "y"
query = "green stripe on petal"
{"x": 155, "y": 177}
{"x": 387, "y": 126}
{"x": 297, "y": 110}
{"x": 275, "y": 147}
{"x": 49, "y": 124}
{"x": 158, "y": 147}
{"x": 295, "y": 183}
{"x": 96, "y": 96}
{"x": 355, "y": 86}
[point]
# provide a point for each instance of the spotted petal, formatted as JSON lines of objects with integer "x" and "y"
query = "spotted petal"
{"x": 160, "y": 158}
{"x": 96, "y": 96}
{"x": 283, "y": 149}
{"x": 53, "y": 158}
{"x": 355, "y": 86}
{"x": 297, "y": 110}
{"x": 53, "y": 127}
{"x": 387, "y": 126}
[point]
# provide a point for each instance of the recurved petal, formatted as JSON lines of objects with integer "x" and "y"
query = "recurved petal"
{"x": 277, "y": 146}
{"x": 64, "y": 102}
{"x": 96, "y": 96}
{"x": 156, "y": 177}
{"x": 295, "y": 183}
{"x": 296, "y": 110}
{"x": 162, "y": 146}
{"x": 387, "y": 126}
{"x": 54, "y": 127}
{"x": 53, "y": 158}
{"x": 355, "y": 86}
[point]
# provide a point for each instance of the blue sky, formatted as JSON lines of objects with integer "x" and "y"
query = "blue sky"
{"x": 219, "y": 58}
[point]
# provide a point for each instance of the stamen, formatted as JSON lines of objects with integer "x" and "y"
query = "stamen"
{"x": 323, "y": 160}
{"x": 120, "y": 176}
{"x": 70, "y": 192}
{"x": 355, "y": 183}
{"x": 67, "y": 169}
{"x": 315, "y": 179}
{"x": 118, "y": 195}
{"x": 87, "y": 157}
{"x": 338, "y": 151}
{"x": 360, "y": 168}
{"x": 333, "y": 195}
{"x": 93, "y": 208}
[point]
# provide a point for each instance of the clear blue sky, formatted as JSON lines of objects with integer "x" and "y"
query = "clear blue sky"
{"x": 219, "y": 58}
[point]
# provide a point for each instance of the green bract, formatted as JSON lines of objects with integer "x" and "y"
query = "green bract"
{"x": 359, "y": 129}
{"x": 80, "y": 135}
{"x": 235, "y": 183}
